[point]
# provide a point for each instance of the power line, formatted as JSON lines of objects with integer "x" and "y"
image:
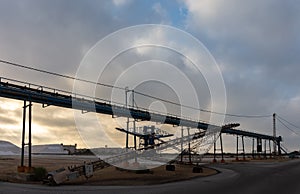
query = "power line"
{"x": 288, "y": 122}
{"x": 203, "y": 110}
{"x": 242, "y": 116}
{"x": 288, "y": 127}
{"x": 58, "y": 74}
{"x": 143, "y": 94}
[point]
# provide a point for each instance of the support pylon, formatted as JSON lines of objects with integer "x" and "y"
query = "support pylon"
{"x": 22, "y": 167}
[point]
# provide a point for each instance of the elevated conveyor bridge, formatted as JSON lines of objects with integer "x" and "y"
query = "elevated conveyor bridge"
{"x": 47, "y": 96}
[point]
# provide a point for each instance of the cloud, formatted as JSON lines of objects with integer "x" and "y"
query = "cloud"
{"x": 53, "y": 117}
{"x": 255, "y": 44}
{"x": 54, "y": 36}
{"x": 121, "y": 2}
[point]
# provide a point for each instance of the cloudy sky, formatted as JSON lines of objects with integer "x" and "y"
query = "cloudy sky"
{"x": 255, "y": 43}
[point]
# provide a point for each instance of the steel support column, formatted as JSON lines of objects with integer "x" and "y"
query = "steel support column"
{"x": 221, "y": 142}
{"x": 127, "y": 123}
{"x": 274, "y": 132}
{"x": 270, "y": 148}
{"x": 237, "y": 147}
{"x": 23, "y": 134}
{"x": 127, "y": 136}
{"x": 215, "y": 140}
{"x": 244, "y": 158}
{"x": 134, "y": 138}
{"x": 253, "y": 142}
{"x": 279, "y": 148}
{"x": 265, "y": 148}
{"x": 190, "y": 157}
{"x": 29, "y": 135}
{"x": 181, "y": 148}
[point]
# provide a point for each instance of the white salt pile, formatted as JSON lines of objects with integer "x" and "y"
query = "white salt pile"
{"x": 7, "y": 148}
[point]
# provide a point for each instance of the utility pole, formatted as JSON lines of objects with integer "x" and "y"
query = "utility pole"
{"x": 274, "y": 133}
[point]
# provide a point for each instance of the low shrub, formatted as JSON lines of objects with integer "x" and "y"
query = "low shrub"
{"x": 39, "y": 173}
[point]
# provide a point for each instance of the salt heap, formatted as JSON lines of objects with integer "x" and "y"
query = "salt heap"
{"x": 7, "y": 148}
{"x": 55, "y": 149}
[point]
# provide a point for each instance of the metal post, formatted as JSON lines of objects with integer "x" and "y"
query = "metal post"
{"x": 135, "y": 157}
{"x": 126, "y": 90}
{"x": 127, "y": 133}
{"x": 274, "y": 132}
{"x": 190, "y": 158}
{"x": 215, "y": 148}
{"x": 221, "y": 142}
{"x": 257, "y": 151}
{"x": 244, "y": 158}
{"x": 134, "y": 137}
{"x": 23, "y": 133}
{"x": 181, "y": 157}
{"x": 279, "y": 148}
{"x": 132, "y": 98}
{"x": 237, "y": 147}
{"x": 265, "y": 148}
{"x": 270, "y": 148}
{"x": 253, "y": 148}
{"x": 259, "y": 146}
{"x": 29, "y": 135}
{"x": 127, "y": 123}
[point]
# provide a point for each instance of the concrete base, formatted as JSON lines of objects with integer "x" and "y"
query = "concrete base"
{"x": 25, "y": 169}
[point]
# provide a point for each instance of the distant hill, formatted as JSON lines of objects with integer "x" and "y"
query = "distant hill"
{"x": 8, "y": 148}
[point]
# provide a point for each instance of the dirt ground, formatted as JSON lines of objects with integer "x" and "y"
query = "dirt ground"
{"x": 107, "y": 176}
